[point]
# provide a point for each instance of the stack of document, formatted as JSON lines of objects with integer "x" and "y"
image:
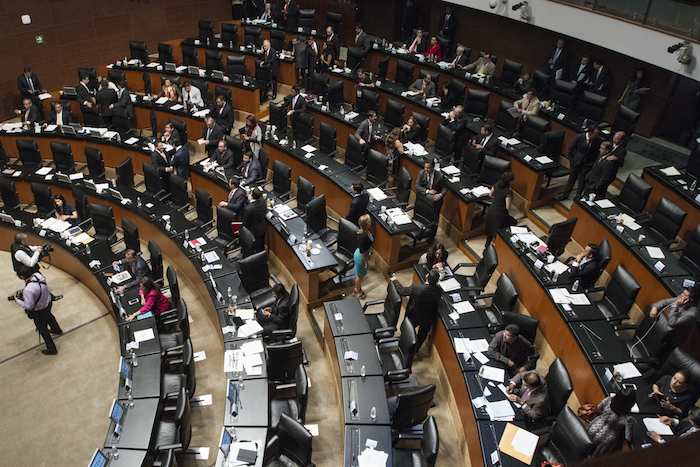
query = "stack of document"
{"x": 451, "y": 170}
{"x": 564, "y": 297}
{"x": 249, "y": 328}
{"x": 377, "y": 194}
{"x": 627, "y": 370}
{"x": 55, "y": 225}
{"x": 508, "y": 141}
{"x": 654, "y": 424}
{"x": 415, "y": 149}
{"x": 671, "y": 171}
{"x": 467, "y": 346}
{"x": 480, "y": 191}
{"x": 351, "y": 115}
{"x": 655, "y": 252}
{"x": 500, "y": 411}
{"x": 557, "y": 267}
{"x": 252, "y": 357}
{"x": 284, "y": 211}
{"x": 371, "y": 458}
{"x": 527, "y": 238}
{"x": 544, "y": 160}
{"x": 492, "y": 373}
{"x": 629, "y": 222}
{"x": 449, "y": 285}
{"x": 463, "y": 307}
{"x": 605, "y": 204}
{"x": 144, "y": 335}
{"x": 398, "y": 216}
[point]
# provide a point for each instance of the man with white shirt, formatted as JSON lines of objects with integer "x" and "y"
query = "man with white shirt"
{"x": 483, "y": 145}
{"x": 192, "y": 96}
{"x": 30, "y": 112}
{"x": 266, "y": 15}
{"x": 297, "y": 104}
{"x": 28, "y": 84}
{"x": 583, "y": 72}
{"x": 59, "y": 116}
{"x": 557, "y": 60}
{"x": 271, "y": 63}
{"x": 211, "y": 135}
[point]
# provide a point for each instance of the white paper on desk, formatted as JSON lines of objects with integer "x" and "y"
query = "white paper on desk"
{"x": 177, "y": 107}
{"x": 372, "y": 458}
{"x": 308, "y": 148}
{"x": 322, "y": 167}
{"x": 50, "y": 127}
{"x": 483, "y": 359}
{"x": 479, "y": 402}
{"x": 211, "y": 256}
{"x": 462, "y": 345}
{"x": 454, "y": 316}
{"x": 655, "y": 252}
{"x": 351, "y": 115}
{"x": 144, "y": 335}
{"x": 402, "y": 219}
{"x": 518, "y": 230}
{"x": 627, "y": 370}
{"x": 654, "y": 424}
{"x": 500, "y": 410}
{"x": 376, "y": 194}
{"x": 132, "y": 345}
{"x": 480, "y": 191}
{"x": 121, "y": 277}
{"x": 44, "y": 171}
{"x": 245, "y": 313}
{"x": 502, "y": 388}
{"x": 249, "y": 328}
{"x": 76, "y": 176}
{"x": 671, "y": 171}
{"x": 253, "y": 359}
{"x": 524, "y": 442}
{"x": 579, "y": 299}
{"x": 451, "y": 170}
{"x": 544, "y": 160}
{"x": 557, "y": 267}
{"x": 252, "y": 347}
{"x": 228, "y": 330}
{"x": 131, "y": 140}
{"x": 492, "y": 373}
{"x": 161, "y": 100}
{"x": 528, "y": 238}
{"x": 100, "y": 187}
{"x": 449, "y": 285}
{"x": 463, "y": 307}
{"x": 45, "y": 95}
{"x": 233, "y": 361}
{"x": 350, "y": 355}
{"x": 605, "y": 203}
{"x": 201, "y": 113}
{"x": 479, "y": 345}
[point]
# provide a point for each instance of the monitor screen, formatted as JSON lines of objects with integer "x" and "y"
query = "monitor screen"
{"x": 226, "y": 440}
{"x": 125, "y": 174}
{"x": 99, "y": 459}
{"x": 117, "y": 412}
{"x": 231, "y": 395}
{"x": 124, "y": 368}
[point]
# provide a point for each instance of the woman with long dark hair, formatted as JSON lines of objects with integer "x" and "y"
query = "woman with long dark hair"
{"x": 497, "y": 215}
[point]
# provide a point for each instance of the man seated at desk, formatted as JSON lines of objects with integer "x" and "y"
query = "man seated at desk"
{"x": 275, "y": 317}
{"x": 585, "y": 267}
{"x": 424, "y": 87}
{"x": 530, "y": 390}
{"x": 237, "y": 198}
{"x": 59, "y": 117}
{"x": 363, "y": 79}
{"x": 28, "y": 84}
{"x": 29, "y": 113}
{"x": 528, "y": 105}
{"x": 482, "y": 65}
{"x": 222, "y": 157}
{"x": 602, "y": 173}
{"x": 211, "y": 135}
{"x": 137, "y": 267}
{"x": 680, "y": 428}
{"x": 513, "y": 350}
{"x": 455, "y": 119}
{"x": 367, "y": 129}
{"x": 430, "y": 182}
{"x": 254, "y": 218}
{"x": 680, "y": 311}
{"x": 249, "y": 170}
{"x": 460, "y": 59}
{"x": 484, "y": 144}
{"x": 673, "y": 394}
{"x": 192, "y": 96}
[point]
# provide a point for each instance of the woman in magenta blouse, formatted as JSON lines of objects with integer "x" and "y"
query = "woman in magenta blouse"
{"x": 152, "y": 298}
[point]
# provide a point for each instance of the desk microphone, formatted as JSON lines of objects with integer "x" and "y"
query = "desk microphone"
{"x": 219, "y": 296}
{"x": 588, "y": 332}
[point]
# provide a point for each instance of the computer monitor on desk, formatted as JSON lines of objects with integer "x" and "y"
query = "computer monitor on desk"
{"x": 138, "y": 51}
{"x": 99, "y": 459}
{"x": 167, "y": 66}
{"x": 117, "y": 417}
{"x": 125, "y": 174}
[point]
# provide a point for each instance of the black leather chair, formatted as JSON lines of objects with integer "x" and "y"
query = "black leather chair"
{"x": 290, "y": 399}
{"x": 483, "y": 270}
{"x": 625, "y": 120}
{"x": 346, "y": 246}
{"x": 307, "y": 18}
{"x": 303, "y": 128}
{"x": 404, "y": 183}
{"x": 177, "y": 188}
{"x": 540, "y": 81}
{"x": 189, "y": 54}
{"x": 445, "y": 142}
{"x": 560, "y": 235}
{"x": 634, "y": 194}
{"x": 377, "y": 167}
{"x": 404, "y": 72}
{"x": 327, "y": 139}
{"x": 423, "y": 122}
{"x": 247, "y": 242}
{"x": 203, "y": 205}
{"x": 568, "y": 442}
{"x": 367, "y": 100}
{"x": 534, "y": 128}
{"x": 456, "y": 91}
{"x": 618, "y": 295}
{"x": 252, "y": 35}
{"x": 677, "y": 360}
{"x": 384, "y": 324}
{"x": 283, "y": 359}
{"x": 42, "y": 199}
{"x": 393, "y": 114}
{"x": 229, "y": 35}
{"x": 3, "y": 157}
{"x": 335, "y": 20}
{"x": 426, "y": 454}
{"x": 235, "y": 145}
{"x": 665, "y": 222}
{"x": 354, "y": 59}
{"x": 591, "y": 106}
{"x": 492, "y": 169}
{"x": 527, "y": 324}
{"x": 8, "y": 192}
{"x": 354, "y": 153}
{"x": 476, "y": 103}
{"x": 28, "y": 152}
{"x": 510, "y": 72}
{"x": 564, "y": 93}
{"x": 175, "y": 426}
{"x": 224, "y": 231}
{"x": 409, "y": 407}
{"x": 504, "y": 119}
{"x": 690, "y": 255}
{"x": 317, "y": 218}
{"x": 281, "y": 179}
{"x": 165, "y": 458}
{"x": 95, "y": 163}
{"x": 235, "y": 66}
{"x": 63, "y": 157}
{"x": 290, "y": 331}
{"x": 130, "y": 235}
{"x": 445, "y": 44}
{"x": 155, "y": 260}
{"x": 203, "y": 90}
{"x": 255, "y": 278}
{"x": 179, "y": 370}
{"x": 165, "y": 53}
{"x": 426, "y": 215}
{"x": 277, "y": 39}
{"x": 604, "y": 257}
{"x": 290, "y": 446}
{"x": 318, "y": 84}
{"x": 396, "y": 353}
{"x": 495, "y": 305}
{"x": 559, "y": 387}
{"x": 651, "y": 340}
{"x": 174, "y": 291}
{"x": 205, "y": 31}
{"x": 306, "y": 191}
{"x": 103, "y": 222}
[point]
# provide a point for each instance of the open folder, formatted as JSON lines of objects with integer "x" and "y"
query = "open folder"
{"x": 518, "y": 443}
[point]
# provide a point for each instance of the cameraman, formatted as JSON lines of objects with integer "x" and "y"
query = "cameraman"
{"x": 36, "y": 300}
{"x": 25, "y": 258}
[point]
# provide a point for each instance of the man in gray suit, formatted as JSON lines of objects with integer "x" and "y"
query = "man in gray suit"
{"x": 365, "y": 132}
{"x": 530, "y": 390}
{"x": 424, "y": 86}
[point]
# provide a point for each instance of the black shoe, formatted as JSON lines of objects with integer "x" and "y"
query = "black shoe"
{"x": 56, "y": 333}
{"x": 49, "y": 352}
{"x": 56, "y": 298}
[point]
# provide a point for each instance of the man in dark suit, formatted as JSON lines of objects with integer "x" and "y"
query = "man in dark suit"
{"x": 362, "y": 41}
{"x": 582, "y": 72}
{"x": 250, "y": 169}
{"x": 223, "y": 157}
{"x": 599, "y": 79}
{"x": 358, "y": 205}
{"x": 275, "y": 317}
{"x": 30, "y": 112}
{"x": 28, "y": 84}
{"x": 619, "y": 148}
{"x": 422, "y": 305}
{"x": 86, "y": 97}
{"x": 211, "y": 135}
{"x": 123, "y": 106}
{"x": 237, "y": 198}
{"x": 582, "y": 155}
{"x": 170, "y": 135}
{"x": 602, "y": 173}
{"x": 105, "y": 98}
{"x": 297, "y": 104}
{"x": 332, "y": 43}
{"x": 512, "y": 349}
{"x": 460, "y": 59}
{"x": 160, "y": 160}
{"x": 585, "y": 267}
{"x": 430, "y": 182}
{"x": 271, "y": 63}
{"x": 254, "y": 219}
{"x": 180, "y": 161}
{"x": 482, "y": 145}
{"x": 556, "y": 64}
{"x": 222, "y": 113}
{"x": 455, "y": 118}
{"x": 448, "y": 25}
{"x": 137, "y": 267}
{"x": 59, "y": 116}
{"x": 365, "y": 132}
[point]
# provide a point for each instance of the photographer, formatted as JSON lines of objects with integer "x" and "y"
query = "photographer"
{"x": 25, "y": 258}
{"x": 36, "y": 300}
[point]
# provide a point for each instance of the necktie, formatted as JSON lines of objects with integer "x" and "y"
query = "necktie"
{"x": 208, "y": 133}
{"x": 430, "y": 181}
{"x": 31, "y": 83}
{"x": 59, "y": 119}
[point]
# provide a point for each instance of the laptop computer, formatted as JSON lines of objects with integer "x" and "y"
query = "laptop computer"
{"x": 99, "y": 459}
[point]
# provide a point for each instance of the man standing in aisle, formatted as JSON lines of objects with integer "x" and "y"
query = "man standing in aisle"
{"x": 36, "y": 301}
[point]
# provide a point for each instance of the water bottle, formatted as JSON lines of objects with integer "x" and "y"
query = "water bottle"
{"x": 693, "y": 185}
{"x": 138, "y": 202}
{"x": 306, "y": 231}
{"x": 363, "y": 371}
{"x": 134, "y": 362}
{"x": 115, "y": 452}
{"x": 229, "y": 294}
{"x": 87, "y": 249}
{"x": 202, "y": 258}
{"x": 186, "y": 242}
{"x": 373, "y": 414}
{"x": 131, "y": 399}
{"x": 241, "y": 385}
{"x": 574, "y": 287}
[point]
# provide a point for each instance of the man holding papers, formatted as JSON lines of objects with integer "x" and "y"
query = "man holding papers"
{"x": 530, "y": 390}
{"x": 512, "y": 349}
{"x": 423, "y": 304}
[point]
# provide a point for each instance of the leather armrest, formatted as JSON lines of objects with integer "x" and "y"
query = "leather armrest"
{"x": 372, "y": 303}
{"x": 463, "y": 265}
{"x": 384, "y": 333}
{"x": 388, "y": 340}
{"x": 398, "y": 375}
{"x": 168, "y": 447}
{"x": 484, "y": 296}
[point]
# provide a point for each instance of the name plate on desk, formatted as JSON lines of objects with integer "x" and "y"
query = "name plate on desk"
{"x": 659, "y": 266}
